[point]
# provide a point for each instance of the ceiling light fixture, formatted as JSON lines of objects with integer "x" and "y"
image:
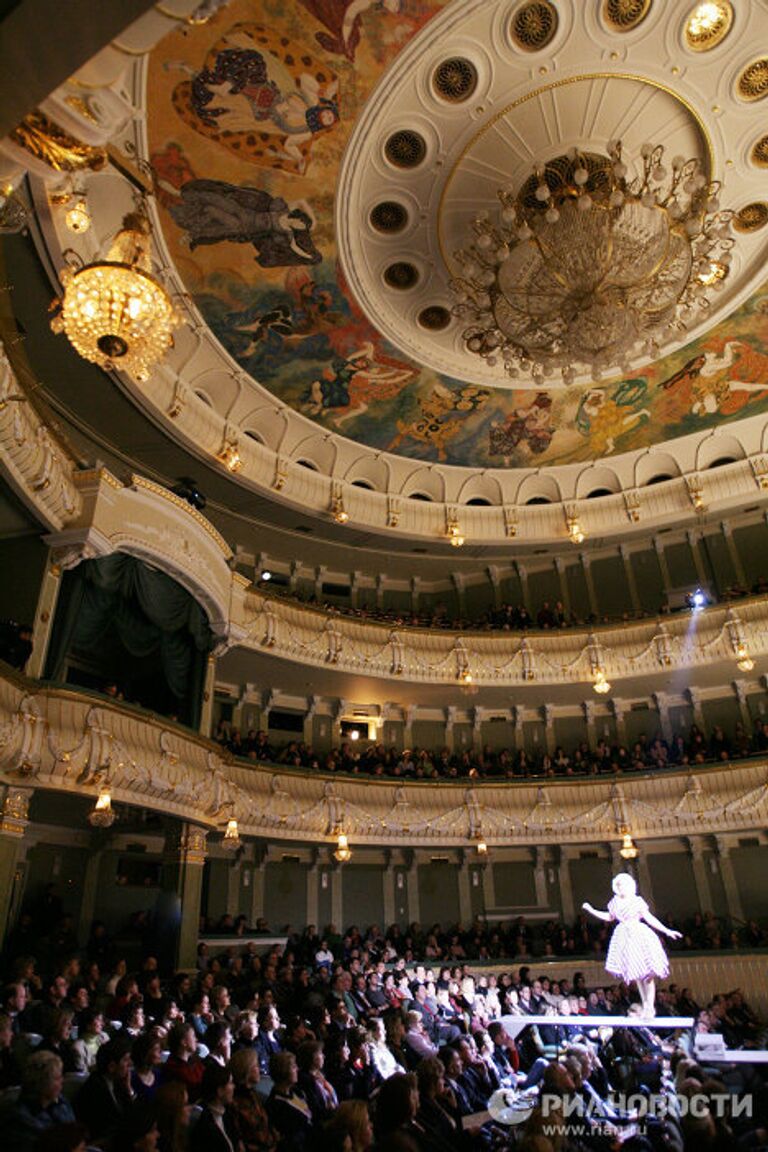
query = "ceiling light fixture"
{"x": 588, "y": 266}
{"x": 628, "y": 850}
{"x": 342, "y": 852}
{"x": 102, "y": 815}
{"x": 338, "y": 511}
{"x": 113, "y": 311}
{"x": 232, "y": 839}
{"x": 229, "y": 455}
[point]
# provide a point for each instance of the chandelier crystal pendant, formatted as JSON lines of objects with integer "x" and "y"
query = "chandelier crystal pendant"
{"x": 586, "y": 268}
{"x": 113, "y": 311}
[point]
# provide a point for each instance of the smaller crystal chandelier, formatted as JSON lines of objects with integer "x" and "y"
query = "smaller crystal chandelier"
{"x": 229, "y": 455}
{"x": 600, "y": 684}
{"x": 481, "y": 844}
{"x": 232, "y": 839}
{"x": 113, "y": 311}
{"x": 342, "y": 852}
{"x": 628, "y": 850}
{"x": 338, "y": 511}
{"x": 102, "y": 815}
{"x": 599, "y": 679}
{"x": 587, "y": 267}
{"x": 576, "y": 533}
{"x": 744, "y": 661}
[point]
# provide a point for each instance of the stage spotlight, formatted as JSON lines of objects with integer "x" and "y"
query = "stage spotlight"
{"x": 266, "y": 575}
{"x": 696, "y": 600}
{"x": 188, "y": 490}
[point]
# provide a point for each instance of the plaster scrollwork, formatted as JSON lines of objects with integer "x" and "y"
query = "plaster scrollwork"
{"x": 25, "y": 738}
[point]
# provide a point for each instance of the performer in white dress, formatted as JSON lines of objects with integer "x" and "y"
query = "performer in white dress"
{"x": 635, "y": 951}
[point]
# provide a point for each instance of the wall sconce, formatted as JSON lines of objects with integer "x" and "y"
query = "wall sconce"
{"x": 481, "y": 846}
{"x": 599, "y": 679}
{"x": 600, "y": 684}
{"x": 575, "y": 531}
{"x": 464, "y": 676}
{"x": 102, "y": 815}
{"x": 232, "y": 835}
{"x": 628, "y": 850}
{"x": 453, "y": 534}
{"x": 744, "y": 661}
{"x": 229, "y": 455}
{"x": 338, "y": 511}
{"x": 342, "y": 852}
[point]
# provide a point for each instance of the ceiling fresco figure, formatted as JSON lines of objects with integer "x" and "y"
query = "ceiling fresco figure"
{"x": 343, "y": 20}
{"x": 267, "y": 104}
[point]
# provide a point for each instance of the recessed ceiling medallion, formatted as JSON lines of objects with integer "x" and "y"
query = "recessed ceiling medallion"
{"x": 533, "y": 25}
{"x": 753, "y": 82}
{"x": 401, "y": 275}
{"x": 435, "y": 318}
{"x": 708, "y": 25}
{"x": 388, "y": 216}
{"x": 624, "y": 15}
{"x": 751, "y": 217}
{"x": 455, "y": 79}
{"x": 759, "y": 154}
{"x": 405, "y": 149}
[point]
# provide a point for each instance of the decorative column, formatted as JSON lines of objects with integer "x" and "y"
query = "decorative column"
{"x": 565, "y": 595}
{"x": 461, "y": 599}
{"x": 539, "y": 857}
{"x": 740, "y": 689}
{"x": 206, "y": 710}
{"x": 522, "y": 574}
{"x": 258, "y": 882}
{"x": 477, "y": 729}
{"x": 661, "y": 700}
{"x": 629, "y": 572}
{"x": 313, "y": 880}
{"x": 518, "y": 735}
{"x": 186, "y": 861}
{"x": 733, "y": 552}
{"x": 489, "y": 887}
{"x": 408, "y": 718}
{"x": 415, "y": 590}
{"x": 293, "y": 575}
{"x": 548, "y": 713}
{"x": 586, "y": 565}
{"x": 412, "y": 888}
{"x": 493, "y": 576}
{"x": 694, "y": 696}
{"x": 618, "y": 716}
{"x": 566, "y": 888}
{"x": 388, "y": 882}
{"x": 14, "y": 819}
{"x": 335, "y": 873}
{"x": 354, "y": 588}
{"x": 308, "y": 729}
{"x": 588, "y": 707}
{"x": 732, "y": 894}
{"x": 90, "y": 888}
{"x": 44, "y": 614}
{"x": 695, "y": 845}
{"x": 379, "y": 591}
{"x": 320, "y": 572}
{"x": 465, "y": 895}
{"x": 450, "y": 730}
{"x": 644, "y": 876}
{"x": 658, "y": 544}
{"x": 693, "y": 544}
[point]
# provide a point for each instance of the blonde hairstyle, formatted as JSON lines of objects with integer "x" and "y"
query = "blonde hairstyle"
{"x": 352, "y": 1118}
{"x": 627, "y": 880}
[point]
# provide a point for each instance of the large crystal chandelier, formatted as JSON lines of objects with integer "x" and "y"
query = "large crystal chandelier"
{"x": 585, "y": 268}
{"x": 114, "y": 312}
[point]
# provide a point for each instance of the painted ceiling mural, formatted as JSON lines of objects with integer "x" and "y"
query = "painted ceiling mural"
{"x": 249, "y": 118}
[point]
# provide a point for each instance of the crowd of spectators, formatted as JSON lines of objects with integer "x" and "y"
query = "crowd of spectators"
{"x": 509, "y": 617}
{"x": 372, "y": 759}
{"x": 328, "y": 1046}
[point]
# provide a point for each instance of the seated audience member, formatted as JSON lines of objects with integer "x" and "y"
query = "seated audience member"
{"x": 104, "y": 1101}
{"x": 40, "y": 1107}
{"x": 183, "y": 1063}
{"x": 288, "y": 1111}
{"x": 253, "y": 1126}
{"x": 215, "y": 1129}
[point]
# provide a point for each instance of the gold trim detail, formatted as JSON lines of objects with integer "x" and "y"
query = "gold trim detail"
{"x": 624, "y": 15}
{"x": 534, "y": 25}
{"x": 172, "y": 498}
{"x": 751, "y": 217}
{"x": 752, "y": 85}
{"x": 702, "y": 34}
{"x": 47, "y": 142}
{"x": 81, "y": 106}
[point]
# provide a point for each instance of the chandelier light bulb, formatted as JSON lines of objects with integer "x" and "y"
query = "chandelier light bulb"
{"x": 102, "y": 815}
{"x": 628, "y": 849}
{"x": 78, "y": 218}
{"x": 599, "y": 262}
{"x": 232, "y": 834}
{"x": 342, "y": 852}
{"x": 601, "y": 685}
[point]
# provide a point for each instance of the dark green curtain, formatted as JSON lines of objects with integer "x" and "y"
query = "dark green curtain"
{"x": 150, "y": 612}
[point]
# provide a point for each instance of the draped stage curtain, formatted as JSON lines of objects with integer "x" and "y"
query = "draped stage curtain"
{"x": 150, "y": 612}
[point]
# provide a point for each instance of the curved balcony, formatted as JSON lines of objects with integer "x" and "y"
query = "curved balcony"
{"x": 57, "y": 739}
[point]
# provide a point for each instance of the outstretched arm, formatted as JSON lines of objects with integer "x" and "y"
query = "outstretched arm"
{"x": 672, "y": 933}
{"x": 597, "y": 912}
